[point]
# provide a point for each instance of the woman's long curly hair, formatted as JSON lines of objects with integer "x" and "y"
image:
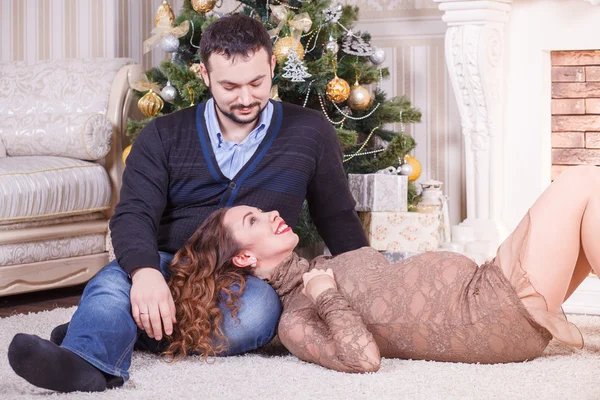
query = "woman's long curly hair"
{"x": 202, "y": 274}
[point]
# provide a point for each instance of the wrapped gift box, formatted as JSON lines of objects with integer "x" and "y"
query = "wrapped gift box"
{"x": 401, "y": 231}
{"x": 379, "y": 192}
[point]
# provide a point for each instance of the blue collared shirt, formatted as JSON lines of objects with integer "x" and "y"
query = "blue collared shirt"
{"x": 232, "y": 156}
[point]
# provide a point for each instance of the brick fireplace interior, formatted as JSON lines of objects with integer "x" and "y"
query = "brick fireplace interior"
{"x": 575, "y": 109}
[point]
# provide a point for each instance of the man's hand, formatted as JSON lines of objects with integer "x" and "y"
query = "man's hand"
{"x": 317, "y": 281}
{"x": 152, "y": 302}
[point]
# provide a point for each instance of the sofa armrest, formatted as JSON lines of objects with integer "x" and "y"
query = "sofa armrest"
{"x": 118, "y": 111}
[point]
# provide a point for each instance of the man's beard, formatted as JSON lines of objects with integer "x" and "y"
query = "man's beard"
{"x": 237, "y": 120}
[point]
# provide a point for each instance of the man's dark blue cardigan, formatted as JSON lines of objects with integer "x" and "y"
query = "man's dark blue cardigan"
{"x": 172, "y": 183}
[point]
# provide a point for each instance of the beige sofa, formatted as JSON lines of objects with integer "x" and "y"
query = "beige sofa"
{"x": 62, "y": 126}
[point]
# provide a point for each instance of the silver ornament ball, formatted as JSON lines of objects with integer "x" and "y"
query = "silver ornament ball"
{"x": 405, "y": 169}
{"x": 168, "y": 93}
{"x": 169, "y": 43}
{"x": 378, "y": 56}
{"x": 332, "y": 46}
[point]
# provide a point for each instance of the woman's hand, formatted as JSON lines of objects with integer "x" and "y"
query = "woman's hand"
{"x": 317, "y": 281}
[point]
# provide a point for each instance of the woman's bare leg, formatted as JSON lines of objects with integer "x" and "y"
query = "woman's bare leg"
{"x": 582, "y": 270}
{"x": 565, "y": 223}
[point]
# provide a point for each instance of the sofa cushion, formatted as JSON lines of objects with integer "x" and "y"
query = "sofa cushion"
{"x": 34, "y": 187}
{"x": 82, "y": 136}
{"x": 2, "y": 148}
{"x": 46, "y": 105}
{"x": 58, "y": 86}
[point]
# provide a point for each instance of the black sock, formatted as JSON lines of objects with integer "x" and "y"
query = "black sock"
{"x": 58, "y": 334}
{"x": 44, "y": 364}
{"x": 113, "y": 381}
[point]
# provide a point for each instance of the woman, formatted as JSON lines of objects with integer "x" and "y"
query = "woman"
{"x": 347, "y": 312}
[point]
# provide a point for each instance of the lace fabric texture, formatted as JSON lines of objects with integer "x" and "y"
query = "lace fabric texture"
{"x": 435, "y": 306}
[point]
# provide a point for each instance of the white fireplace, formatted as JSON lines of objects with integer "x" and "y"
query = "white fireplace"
{"x": 498, "y": 57}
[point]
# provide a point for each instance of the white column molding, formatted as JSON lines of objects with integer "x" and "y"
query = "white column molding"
{"x": 475, "y": 57}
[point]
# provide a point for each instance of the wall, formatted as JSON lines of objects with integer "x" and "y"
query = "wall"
{"x": 47, "y": 29}
{"x": 410, "y": 31}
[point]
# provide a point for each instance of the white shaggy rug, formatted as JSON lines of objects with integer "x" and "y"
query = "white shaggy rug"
{"x": 562, "y": 373}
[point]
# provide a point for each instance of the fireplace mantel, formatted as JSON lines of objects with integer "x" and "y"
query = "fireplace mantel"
{"x": 498, "y": 58}
{"x": 475, "y": 58}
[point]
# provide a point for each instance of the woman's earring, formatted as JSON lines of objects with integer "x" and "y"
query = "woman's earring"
{"x": 253, "y": 265}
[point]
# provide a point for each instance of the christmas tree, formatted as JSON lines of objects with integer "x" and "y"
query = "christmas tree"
{"x": 318, "y": 53}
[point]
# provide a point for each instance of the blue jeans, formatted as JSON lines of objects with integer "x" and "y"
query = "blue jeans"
{"x": 103, "y": 332}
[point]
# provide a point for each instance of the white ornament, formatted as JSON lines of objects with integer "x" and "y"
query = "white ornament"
{"x": 294, "y": 69}
{"x": 405, "y": 169}
{"x": 168, "y": 93}
{"x": 333, "y": 13}
{"x": 332, "y": 45}
{"x": 356, "y": 46}
{"x": 378, "y": 56}
{"x": 169, "y": 43}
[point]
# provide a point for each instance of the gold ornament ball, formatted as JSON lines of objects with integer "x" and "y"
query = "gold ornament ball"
{"x": 164, "y": 11}
{"x": 150, "y": 104}
{"x": 338, "y": 90}
{"x": 126, "y": 152}
{"x": 360, "y": 98}
{"x": 417, "y": 168}
{"x": 283, "y": 46}
{"x": 203, "y": 6}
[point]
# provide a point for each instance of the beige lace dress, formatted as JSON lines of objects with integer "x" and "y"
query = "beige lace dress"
{"x": 435, "y": 306}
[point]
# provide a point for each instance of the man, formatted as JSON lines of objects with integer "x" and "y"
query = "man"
{"x": 237, "y": 148}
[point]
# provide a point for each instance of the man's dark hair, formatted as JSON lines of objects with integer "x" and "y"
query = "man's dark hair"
{"x": 236, "y": 35}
